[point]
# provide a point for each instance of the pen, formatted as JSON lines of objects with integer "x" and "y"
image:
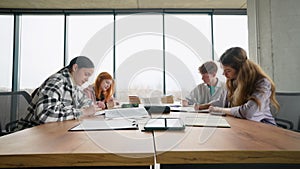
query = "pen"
{"x": 175, "y": 105}
{"x": 166, "y": 123}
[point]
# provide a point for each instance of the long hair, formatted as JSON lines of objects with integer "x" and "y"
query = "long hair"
{"x": 98, "y": 90}
{"x": 240, "y": 90}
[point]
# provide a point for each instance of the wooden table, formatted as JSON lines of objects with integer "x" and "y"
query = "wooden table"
{"x": 246, "y": 142}
{"x": 52, "y": 145}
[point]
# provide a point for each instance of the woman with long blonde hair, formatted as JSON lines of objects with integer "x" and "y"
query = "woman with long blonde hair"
{"x": 101, "y": 92}
{"x": 250, "y": 91}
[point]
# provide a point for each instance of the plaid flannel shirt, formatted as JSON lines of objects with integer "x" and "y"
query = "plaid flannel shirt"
{"x": 57, "y": 99}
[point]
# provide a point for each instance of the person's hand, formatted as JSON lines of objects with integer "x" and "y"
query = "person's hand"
{"x": 184, "y": 103}
{"x": 97, "y": 108}
{"x": 89, "y": 111}
{"x": 117, "y": 103}
{"x": 201, "y": 106}
{"x": 101, "y": 104}
{"x": 110, "y": 104}
{"x": 214, "y": 109}
{"x": 220, "y": 110}
{"x": 196, "y": 106}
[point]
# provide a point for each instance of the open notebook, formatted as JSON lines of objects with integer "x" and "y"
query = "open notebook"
{"x": 115, "y": 124}
{"x": 139, "y": 112}
{"x": 206, "y": 121}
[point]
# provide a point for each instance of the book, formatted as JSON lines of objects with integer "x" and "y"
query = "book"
{"x": 115, "y": 124}
{"x": 164, "y": 124}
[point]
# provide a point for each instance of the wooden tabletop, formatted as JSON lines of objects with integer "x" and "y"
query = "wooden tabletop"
{"x": 245, "y": 142}
{"x": 53, "y": 145}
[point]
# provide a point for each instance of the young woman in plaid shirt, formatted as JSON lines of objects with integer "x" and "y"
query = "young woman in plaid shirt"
{"x": 59, "y": 97}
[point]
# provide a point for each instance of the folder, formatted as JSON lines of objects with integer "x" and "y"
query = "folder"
{"x": 115, "y": 124}
{"x": 164, "y": 124}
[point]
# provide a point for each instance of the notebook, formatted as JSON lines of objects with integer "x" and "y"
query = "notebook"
{"x": 206, "y": 121}
{"x": 164, "y": 124}
{"x": 115, "y": 124}
{"x": 139, "y": 112}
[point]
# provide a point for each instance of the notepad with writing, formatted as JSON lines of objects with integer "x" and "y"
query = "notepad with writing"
{"x": 115, "y": 124}
{"x": 164, "y": 124}
{"x": 206, "y": 121}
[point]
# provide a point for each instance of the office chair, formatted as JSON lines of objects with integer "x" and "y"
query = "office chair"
{"x": 167, "y": 99}
{"x": 13, "y": 108}
{"x": 134, "y": 99}
{"x": 286, "y": 124}
{"x": 289, "y": 114}
{"x": 1, "y": 132}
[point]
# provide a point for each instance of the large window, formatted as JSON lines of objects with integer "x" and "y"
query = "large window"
{"x": 148, "y": 54}
{"x": 6, "y": 51}
{"x": 139, "y": 55}
{"x": 188, "y": 45}
{"x": 230, "y": 31}
{"x": 42, "y": 48}
{"x": 92, "y": 36}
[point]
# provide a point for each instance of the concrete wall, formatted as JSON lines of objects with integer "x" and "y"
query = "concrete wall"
{"x": 274, "y": 40}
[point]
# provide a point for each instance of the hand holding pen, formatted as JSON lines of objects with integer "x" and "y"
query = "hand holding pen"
{"x": 101, "y": 104}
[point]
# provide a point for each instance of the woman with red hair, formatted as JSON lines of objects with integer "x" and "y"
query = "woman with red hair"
{"x": 101, "y": 92}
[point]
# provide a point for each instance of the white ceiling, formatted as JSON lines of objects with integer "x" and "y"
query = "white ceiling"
{"x": 123, "y": 4}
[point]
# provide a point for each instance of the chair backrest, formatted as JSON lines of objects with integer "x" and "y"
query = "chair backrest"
{"x": 134, "y": 99}
{"x": 167, "y": 99}
{"x": 13, "y": 106}
{"x": 1, "y": 132}
{"x": 289, "y": 108}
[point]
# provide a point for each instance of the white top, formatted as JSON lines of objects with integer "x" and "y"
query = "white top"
{"x": 201, "y": 93}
